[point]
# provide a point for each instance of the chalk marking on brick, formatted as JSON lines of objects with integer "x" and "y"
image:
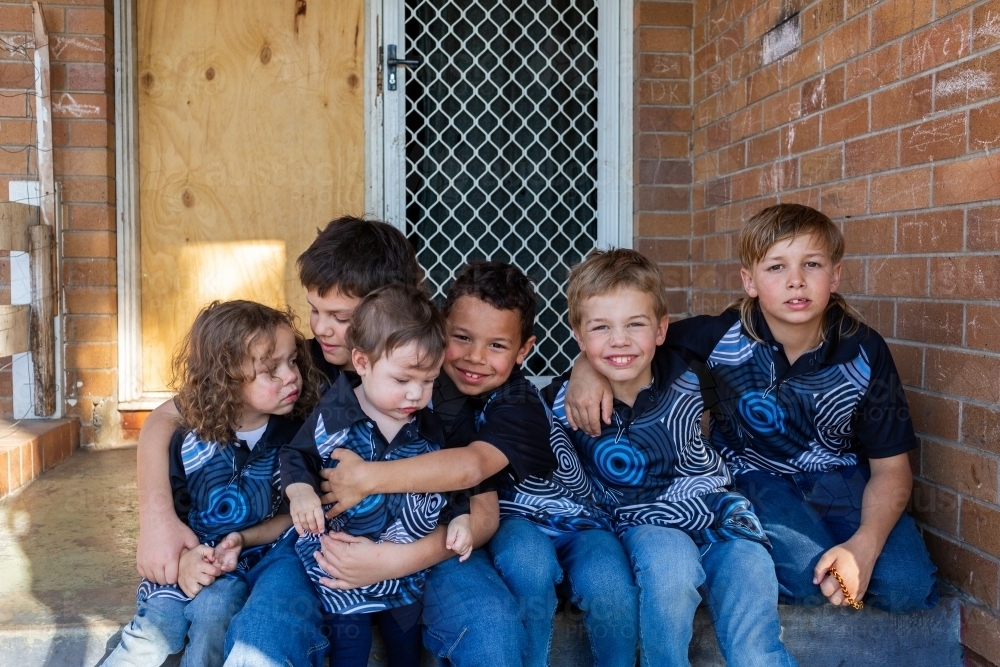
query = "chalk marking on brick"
{"x": 791, "y": 138}
{"x": 666, "y": 66}
{"x": 92, "y": 44}
{"x": 966, "y": 82}
{"x": 66, "y": 104}
{"x": 817, "y": 99}
{"x": 922, "y": 138}
{"x": 990, "y": 27}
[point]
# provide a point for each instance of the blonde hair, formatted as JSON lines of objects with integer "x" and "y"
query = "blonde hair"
{"x": 604, "y": 271}
{"x": 781, "y": 223}
{"x": 216, "y": 359}
{"x": 394, "y": 316}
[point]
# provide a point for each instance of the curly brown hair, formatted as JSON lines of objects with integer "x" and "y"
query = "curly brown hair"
{"x": 216, "y": 358}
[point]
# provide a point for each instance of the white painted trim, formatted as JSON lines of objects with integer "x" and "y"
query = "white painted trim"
{"x": 127, "y": 199}
{"x": 626, "y": 109}
{"x": 374, "y": 160}
{"x": 614, "y": 123}
{"x": 394, "y": 119}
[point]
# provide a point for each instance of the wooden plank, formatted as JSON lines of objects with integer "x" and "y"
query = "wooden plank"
{"x": 43, "y": 117}
{"x": 13, "y": 330}
{"x": 251, "y": 136}
{"x": 14, "y": 222}
{"x": 42, "y": 324}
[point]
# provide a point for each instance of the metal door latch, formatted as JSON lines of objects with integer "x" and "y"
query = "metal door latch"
{"x": 392, "y": 62}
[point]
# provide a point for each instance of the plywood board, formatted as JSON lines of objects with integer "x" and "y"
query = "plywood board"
{"x": 13, "y": 330}
{"x": 251, "y": 136}
{"x": 14, "y": 222}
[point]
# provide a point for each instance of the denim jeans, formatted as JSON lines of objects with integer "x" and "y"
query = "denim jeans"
{"x": 470, "y": 617}
{"x": 736, "y": 579}
{"x": 351, "y": 636}
{"x": 806, "y": 514}
{"x": 161, "y": 625}
{"x": 282, "y": 621}
{"x": 599, "y": 582}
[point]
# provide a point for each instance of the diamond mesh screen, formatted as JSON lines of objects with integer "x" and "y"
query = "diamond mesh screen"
{"x": 501, "y": 146}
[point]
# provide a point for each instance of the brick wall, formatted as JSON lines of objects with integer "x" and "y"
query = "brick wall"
{"x": 81, "y": 46}
{"x": 886, "y": 117}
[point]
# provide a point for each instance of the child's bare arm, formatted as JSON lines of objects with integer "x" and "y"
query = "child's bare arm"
{"x": 445, "y": 470}
{"x": 305, "y": 508}
{"x": 460, "y": 536}
{"x": 883, "y": 502}
{"x": 227, "y": 552}
{"x": 162, "y": 536}
{"x": 589, "y": 399}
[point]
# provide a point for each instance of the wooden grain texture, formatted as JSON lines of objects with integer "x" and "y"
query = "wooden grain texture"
{"x": 13, "y": 330}
{"x": 14, "y": 222}
{"x": 251, "y": 136}
{"x": 41, "y": 328}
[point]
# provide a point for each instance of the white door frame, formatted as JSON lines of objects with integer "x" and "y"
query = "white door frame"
{"x": 614, "y": 122}
{"x": 384, "y": 137}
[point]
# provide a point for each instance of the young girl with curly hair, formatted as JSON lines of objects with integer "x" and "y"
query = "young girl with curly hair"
{"x": 244, "y": 381}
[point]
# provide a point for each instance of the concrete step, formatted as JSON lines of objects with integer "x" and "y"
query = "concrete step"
{"x": 67, "y": 554}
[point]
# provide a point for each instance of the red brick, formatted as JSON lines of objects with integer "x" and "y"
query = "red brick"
{"x": 16, "y": 18}
{"x": 80, "y": 48}
{"x": 873, "y": 70}
{"x": 89, "y": 272}
{"x": 822, "y": 166}
{"x": 984, "y": 126}
{"x": 88, "y": 189}
{"x": 930, "y": 232}
{"x": 934, "y": 140}
{"x": 763, "y": 148}
{"x": 909, "y": 360}
{"x": 847, "y": 41}
{"x": 966, "y": 374}
{"x": 847, "y": 120}
{"x": 801, "y": 64}
{"x": 901, "y": 191}
{"x": 89, "y": 244}
{"x": 661, "y": 66}
{"x": 968, "y": 180}
{"x": 933, "y": 415}
{"x": 84, "y": 162}
{"x": 88, "y": 21}
{"x": 781, "y": 108}
{"x": 662, "y": 198}
{"x": 14, "y": 160}
{"x": 96, "y": 77}
{"x": 963, "y": 277}
{"x": 95, "y": 328}
{"x": 936, "y": 506}
{"x": 845, "y": 198}
{"x": 664, "y": 40}
{"x": 901, "y": 104}
{"x": 747, "y": 122}
{"x": 90, "y": 300}
{"x": 13, "y": 106}
{"x": 982, "y": 327}
{"x": 91, "y": 355}
{"x": 852, "y": 276}
{"x": 665, "y": 250}
{"x": 945, "y": 7}
{"x": 981, "y": 527}
{"x": 967, "y": 472}
{"x": 981, "y": 427}
{"x": 763, "y": 83}
{"x": 895, "y": 18}
{"x": 825, "y": 91}
{"x": 981, "y": 632}
{"x": 967, "y": 82}
{"x": 871, "y": 154}
{"x": 973, "y": 659}
{"x": 800, "y": 136}
{"x": 17, "y": 76}
{"x": 879, "y": 314}
{"x": 936, "y": 45}
{"x": 966, "y": 569}
{"x": 91, "y": 218}
{"x": 778, "y": 177}
{"x": 983, "y": 229}
{"x": 930, "y": 322}
{"x": 664, "y": 119}
{"x": 650, "y": 145}
{"x": 663, "y": 92}
{"x": 855, "y": 7}
{"x": 897, "y": 276}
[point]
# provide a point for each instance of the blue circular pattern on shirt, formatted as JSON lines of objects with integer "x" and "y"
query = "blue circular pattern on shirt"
{"x": 619, "y": 463}
{"x": 226, "y": 506}
{"x": 762, "y": 413}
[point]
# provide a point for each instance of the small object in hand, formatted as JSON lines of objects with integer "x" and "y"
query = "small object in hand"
{"x": 847, "y": 594}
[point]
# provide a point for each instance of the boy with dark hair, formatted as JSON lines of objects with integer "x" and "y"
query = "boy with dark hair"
{"x": 688, "y": 534}
{"x": 281, "y": 622}
{"x": 498, "y": 432}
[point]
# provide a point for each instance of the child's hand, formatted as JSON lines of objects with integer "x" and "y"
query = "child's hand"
{"x": 197, "y": 569}
{"x": 346, "y": 484}
{"x": 589, "y": 399}
{"x": 227, "y": 552}
{"x": 853, "y": 566}
{"x": 460, "y": 536}
{"x": 305, "y": 508}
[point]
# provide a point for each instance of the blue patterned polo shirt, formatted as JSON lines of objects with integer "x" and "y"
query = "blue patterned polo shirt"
{"x": 836, "y": 406}
{"x": 223, "y": 488}
{"x": 339, "y": 421}
{"x": 653, "y": 466}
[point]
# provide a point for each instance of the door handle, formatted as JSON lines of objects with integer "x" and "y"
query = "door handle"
{"x": 392, "y": 62}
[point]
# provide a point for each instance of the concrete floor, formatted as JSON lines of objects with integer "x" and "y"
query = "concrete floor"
{"x": 67, "y": 558}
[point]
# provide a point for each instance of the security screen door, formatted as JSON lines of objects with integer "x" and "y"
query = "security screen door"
{"x": 503, "y": 144}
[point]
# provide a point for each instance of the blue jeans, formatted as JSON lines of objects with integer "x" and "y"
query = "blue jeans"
{"x": 161, "y": 625}
{"x": 282, "y": 621}
{"x": 736, "y": 578}
{"x": 470, "y": 617}
{"x": 806, "y": 514}
{"x": 600, "y": 583}
{"x": 351, "y": 636}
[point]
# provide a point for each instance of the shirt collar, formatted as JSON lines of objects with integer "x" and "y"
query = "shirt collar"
{"x": 340, "y": 409}
{"x": 837, "y": 348}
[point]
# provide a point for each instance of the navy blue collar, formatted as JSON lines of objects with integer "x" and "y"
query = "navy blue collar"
{"x": 837, "y": 348}
{"x": 340, "y": 409}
